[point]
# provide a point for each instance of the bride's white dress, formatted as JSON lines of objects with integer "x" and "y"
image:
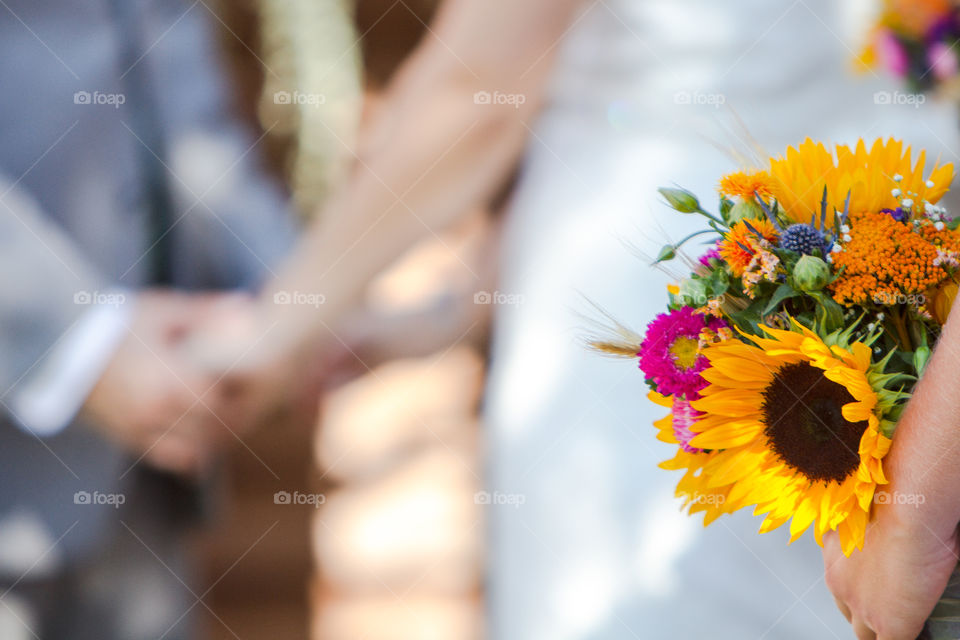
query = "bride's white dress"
{"x": 598, "y": 549}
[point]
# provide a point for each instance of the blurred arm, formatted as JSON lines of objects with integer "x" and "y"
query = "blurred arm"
{"x": 436, "y": 148}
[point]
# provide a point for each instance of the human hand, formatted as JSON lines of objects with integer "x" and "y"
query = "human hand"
{"x": 259, "y": 374}
{"x": 151, "y": 399}
{"x": 888, "y": 590}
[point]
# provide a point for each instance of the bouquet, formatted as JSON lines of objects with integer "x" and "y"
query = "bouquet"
{"x": 917, "y": 41}
{"x": 787, "y": 355}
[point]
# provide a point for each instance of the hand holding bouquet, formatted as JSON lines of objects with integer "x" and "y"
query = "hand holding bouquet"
{"x": 788, "y": 354}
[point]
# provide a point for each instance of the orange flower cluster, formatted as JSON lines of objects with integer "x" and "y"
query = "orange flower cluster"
{"x": 732, "y": 247}
{"x": 744, "y": 184}
{"x": 887, "y": 262}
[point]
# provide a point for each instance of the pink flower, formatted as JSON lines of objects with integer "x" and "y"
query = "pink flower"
{"x": 683, "y": 418}
{"x": 712, "y": 254}
{"x": 670, "y": 353}
{"x": 942, "y": 60}
{"x": 891, "y": 53}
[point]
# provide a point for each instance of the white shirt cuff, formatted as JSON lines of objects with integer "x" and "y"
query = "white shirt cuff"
{"x": 51, "y": 396}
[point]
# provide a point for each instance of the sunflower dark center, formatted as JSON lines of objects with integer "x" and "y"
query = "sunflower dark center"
{"x": 805, "y": 426}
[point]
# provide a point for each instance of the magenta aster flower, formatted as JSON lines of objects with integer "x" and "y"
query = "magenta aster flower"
{"x": 670, "y": 352}
{"x": 713, "y": 253}
{"x": 683, "y": 418}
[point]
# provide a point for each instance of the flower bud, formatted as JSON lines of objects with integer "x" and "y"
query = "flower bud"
{"x": 811, "y": 273}
{"x": 748, "y": 209}
{"x": 680, "y": 199}
{"x": 668, "y": 252}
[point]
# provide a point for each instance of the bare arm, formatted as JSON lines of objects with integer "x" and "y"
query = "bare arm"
{"x": 431, "y": 154}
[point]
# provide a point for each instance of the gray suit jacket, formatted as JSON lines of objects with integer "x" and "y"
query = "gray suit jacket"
{"x": 74, "y": 219}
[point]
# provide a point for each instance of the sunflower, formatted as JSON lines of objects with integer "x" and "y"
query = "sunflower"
{"x": 711, "y": 501}
{"x": 793, "y": 424}
{"x": 867, "y": 176}
{"x": 740, "y": 244}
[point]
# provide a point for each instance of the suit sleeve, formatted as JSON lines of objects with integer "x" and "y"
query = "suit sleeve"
{"x": 46, "y": 287}
{"x": 239, "y": 224}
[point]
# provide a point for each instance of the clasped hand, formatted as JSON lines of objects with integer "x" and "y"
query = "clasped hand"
{"x": 193, "y": 373}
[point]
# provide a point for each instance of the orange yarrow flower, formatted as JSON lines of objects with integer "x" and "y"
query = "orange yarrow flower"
{"x": 886, "y": 260}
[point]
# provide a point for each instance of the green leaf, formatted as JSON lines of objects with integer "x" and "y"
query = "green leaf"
{"x": 829, "y": 313}
{"x": 783, "y": 292}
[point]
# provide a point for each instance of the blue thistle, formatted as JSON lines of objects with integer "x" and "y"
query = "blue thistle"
{"x": 804, "y": 239}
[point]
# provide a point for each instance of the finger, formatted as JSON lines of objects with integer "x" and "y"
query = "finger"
{"x": 844, "y": 609}
{"x": 176, "y": 455}
{"x": 862, "y": 631}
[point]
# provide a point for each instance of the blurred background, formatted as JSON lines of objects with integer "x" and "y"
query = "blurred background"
{"x": 395, "y": 550}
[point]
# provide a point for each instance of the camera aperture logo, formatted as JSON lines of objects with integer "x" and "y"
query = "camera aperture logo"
{"x": 99, "y": 98}
{"x": 297, "y": 498}
{"x": 97, "y": 498}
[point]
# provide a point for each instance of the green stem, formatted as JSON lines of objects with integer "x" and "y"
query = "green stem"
{"x": 902, "y": 335}
{"x": 712, "y": 217}
{"x": 694, "y": 234}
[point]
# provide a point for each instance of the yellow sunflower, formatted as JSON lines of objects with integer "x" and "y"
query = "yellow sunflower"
{"x": 792, "y": 425}
{"x": 799, "y": 178}
{"x": 711, "y": 501}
